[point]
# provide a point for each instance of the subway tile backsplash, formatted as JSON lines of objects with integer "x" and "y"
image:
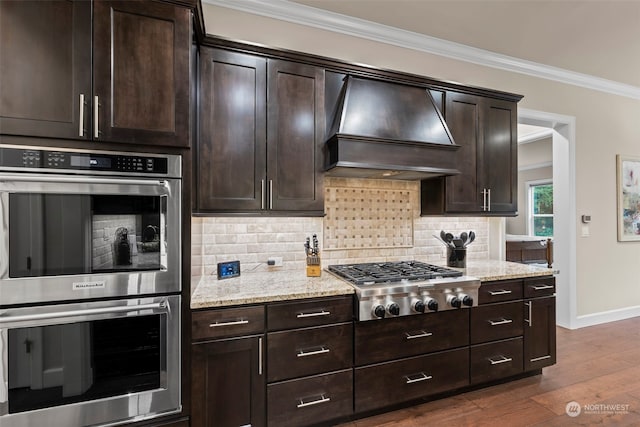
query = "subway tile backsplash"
{"x": 252, "y": 240}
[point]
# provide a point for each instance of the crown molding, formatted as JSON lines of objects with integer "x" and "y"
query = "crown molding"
{"x": 305, "y": 15}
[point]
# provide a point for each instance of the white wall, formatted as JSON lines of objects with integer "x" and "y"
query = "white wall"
{"x": 606, "y": 125}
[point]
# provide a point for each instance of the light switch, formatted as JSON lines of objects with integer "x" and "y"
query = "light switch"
{"x": 585, "y": 230}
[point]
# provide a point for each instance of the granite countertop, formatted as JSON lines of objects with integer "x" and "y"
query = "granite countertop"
{"x": 487, "y": 270}
{"x": 270, "y": 286}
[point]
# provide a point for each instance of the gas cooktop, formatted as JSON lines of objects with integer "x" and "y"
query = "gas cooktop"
{"x": 372, "y": 273}
{"x": 392, "y": 289}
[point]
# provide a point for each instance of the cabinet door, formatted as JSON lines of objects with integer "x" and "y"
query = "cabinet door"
{"x": 498, "y": 155}
{"x": 294, "y": 136}
{"x": 539, "y": 333}
{"x": 463, "y": 118}
{"x": 141, "y": 72}
{"x": 231, "y": 156}
{"x": 227, "y": 383}
{"x": 45, "y": 66}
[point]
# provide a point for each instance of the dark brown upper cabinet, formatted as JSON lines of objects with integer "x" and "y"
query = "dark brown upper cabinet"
{"x": 261, "y": 125}
{"x": 486, "y": 131}
{"x": 130, "y": 85}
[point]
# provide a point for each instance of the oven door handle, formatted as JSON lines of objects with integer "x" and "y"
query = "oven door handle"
{"x": 162, "y": 305}
{"x": 84, "y": 180}
{"x": 4, "y": 375}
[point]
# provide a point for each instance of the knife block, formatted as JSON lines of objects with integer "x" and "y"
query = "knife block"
{"x": 313, "y": 266}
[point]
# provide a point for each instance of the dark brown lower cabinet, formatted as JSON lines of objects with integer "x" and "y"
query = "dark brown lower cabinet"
{"x": 310, "y": 400}
{"x": 385, "y": 384}
{"x": 539, "y": 333}
{"x": 228, "y": 383}
{"x": 496, "y": 360}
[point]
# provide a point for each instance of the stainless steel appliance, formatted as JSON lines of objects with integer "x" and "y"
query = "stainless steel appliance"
{"x": 404, "y": 288}
{"x": 87, "y": 224}
{"x": 90, "y": 282}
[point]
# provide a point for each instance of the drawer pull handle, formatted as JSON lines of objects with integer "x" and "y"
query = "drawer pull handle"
{"x": 500, "y": 322}
{"x": 422, "y": 334}
{"x": 501, "y": 360}
{"x": 302, "y": 353}
{"x": 315, "y": 314}
{"x": 229, "y": 323}
{"x": 501, "y": 292}
{"x": 417, "y": 378}
{"x": 537, "y": 359}
{"x": 322, "y": 399}
{"x": 541, "y": 287}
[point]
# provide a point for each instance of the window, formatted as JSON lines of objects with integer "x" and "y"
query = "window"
{"x": 541, "y": 209}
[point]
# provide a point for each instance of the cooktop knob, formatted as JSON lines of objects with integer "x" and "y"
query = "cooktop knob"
{"x": 432, "y": 304}
{"x": 393, "y": 309}
{"x": 418, "y": 306}
{"x": 467, "y": 300}
{"x": 379, "y": 311}
{"x": 454, "y": 301}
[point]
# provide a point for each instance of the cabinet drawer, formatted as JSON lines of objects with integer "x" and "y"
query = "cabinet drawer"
{"x": 389, "y": 383}
{"x": 309, "y": 351}
{"x": 499, "y": 291}
{"x": 310, "y": 400}
{"x": 387, "y": 339}
{"x": 496, "y": 321}
{"x": 302, "y": 314}
{"x": 227, "y": 322}
{"x": 539, "y": 287}
{"x": 496, "y": 360}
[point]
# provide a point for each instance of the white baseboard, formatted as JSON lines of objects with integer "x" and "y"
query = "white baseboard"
{"x": 606, "y": 317}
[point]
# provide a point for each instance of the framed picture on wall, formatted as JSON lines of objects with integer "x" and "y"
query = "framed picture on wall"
{"x": 628, "y": 198}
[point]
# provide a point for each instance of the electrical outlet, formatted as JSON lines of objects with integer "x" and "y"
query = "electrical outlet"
{"x": 275, "y": 261}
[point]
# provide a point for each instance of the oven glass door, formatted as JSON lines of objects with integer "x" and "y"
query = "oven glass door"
{"x": 58, "y": 234}
{"x": 79, "y": 355}
{"x": 68, "y": 237}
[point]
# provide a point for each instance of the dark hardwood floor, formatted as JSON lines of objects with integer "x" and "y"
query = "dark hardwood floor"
{"x": 597, "y": 366}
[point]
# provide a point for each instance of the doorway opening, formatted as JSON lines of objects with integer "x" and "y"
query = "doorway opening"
{"x": 561, "y": 130}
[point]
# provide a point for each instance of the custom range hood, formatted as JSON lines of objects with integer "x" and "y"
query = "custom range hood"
{"x": 388, "y": 130}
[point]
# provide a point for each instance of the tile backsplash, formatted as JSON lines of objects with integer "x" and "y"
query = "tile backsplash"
{"x": 357, "y": 228}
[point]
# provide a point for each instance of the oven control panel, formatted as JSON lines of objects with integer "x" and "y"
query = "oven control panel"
{"x": 81, "y": 161}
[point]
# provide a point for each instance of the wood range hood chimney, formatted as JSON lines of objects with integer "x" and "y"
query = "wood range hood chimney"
{"x": 388, "y": 130}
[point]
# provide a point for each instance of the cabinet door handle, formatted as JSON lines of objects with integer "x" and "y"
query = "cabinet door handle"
{"x": 229, "y": 323}
{"x": 502, "y": 359}
{"x": 302, "y": 353}
{"x": 500, "y": 322}
{"x": 270, "y": 194}
{"x": 537, "y": 359}
{"x": 410, "y": 379}
{"x": 262, "y": 195}
{"x": 320, "y": 399}
{"x": 96, "y": 104}
{"x": 81, "y": 125}
{"x": 484, "y": 199}
{"x": 423, "y": 334}
{"x": 500, "y": 292}
{"x": 541, "y": 287}
{"x": 529, "y": 320}
{"x": 489, "y": 200}
{"x": 260, "y": 356}
{"x": 315, "y": 314}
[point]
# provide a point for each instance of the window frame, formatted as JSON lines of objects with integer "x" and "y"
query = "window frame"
{"x": 530, "y": 214}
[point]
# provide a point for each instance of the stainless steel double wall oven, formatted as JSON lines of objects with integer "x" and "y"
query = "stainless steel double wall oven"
{"x": 90, "y": 282}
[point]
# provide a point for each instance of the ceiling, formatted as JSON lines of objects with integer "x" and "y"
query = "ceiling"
{"x": 596, "y": 37}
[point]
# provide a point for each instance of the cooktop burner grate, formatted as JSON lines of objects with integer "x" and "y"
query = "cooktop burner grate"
{"x": 371, "y": 273}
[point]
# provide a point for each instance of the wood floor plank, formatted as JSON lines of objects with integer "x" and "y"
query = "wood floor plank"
{"x": 597, "y": 365}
